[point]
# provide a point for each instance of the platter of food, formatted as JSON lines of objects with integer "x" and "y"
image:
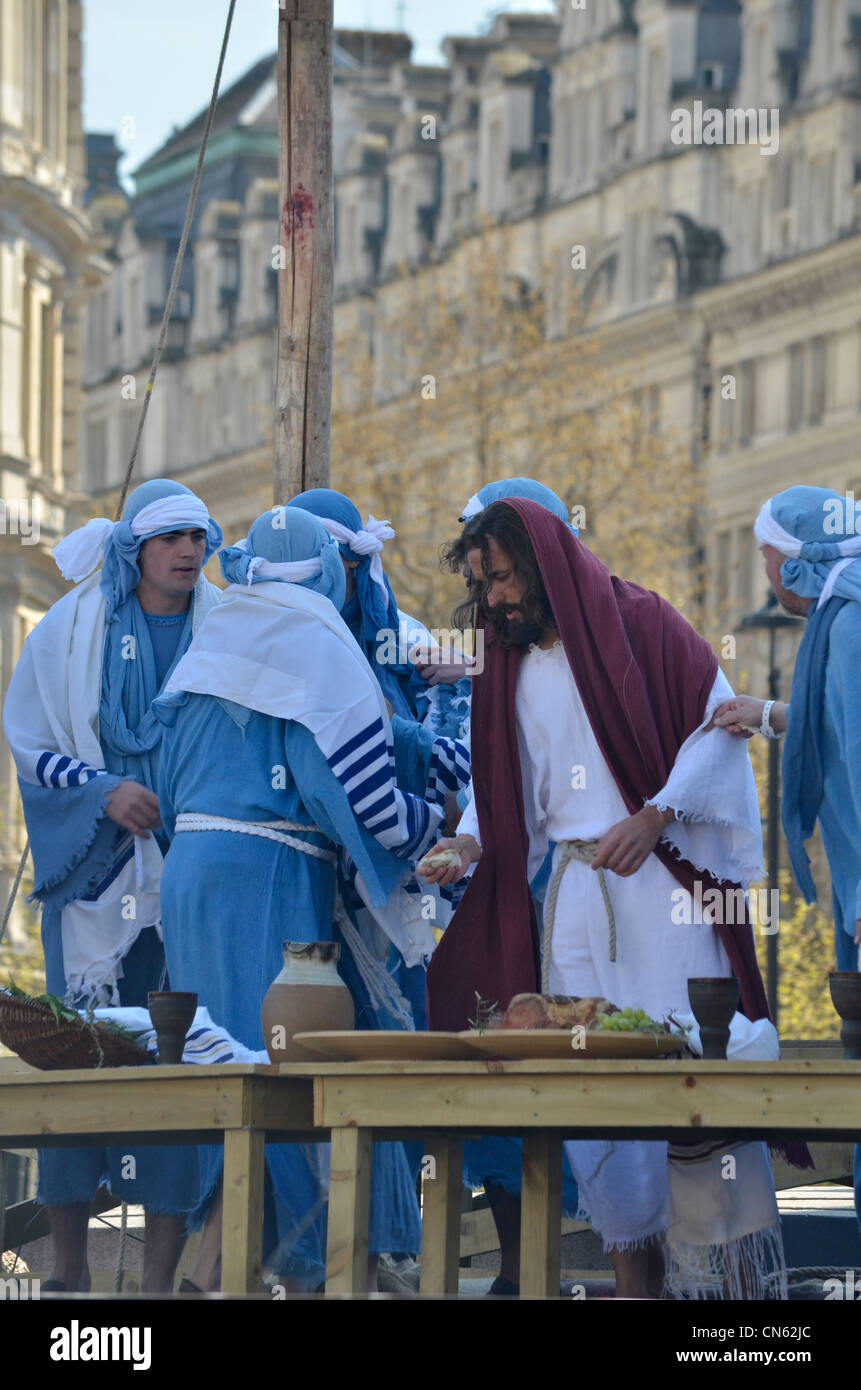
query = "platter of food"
{"x": 552, "y": 1044}
{"x": 554, "y": 1026}
{"x": 385, "y": 1045}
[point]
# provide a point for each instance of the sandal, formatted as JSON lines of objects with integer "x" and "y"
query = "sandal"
{"x": 503, "y": 1288}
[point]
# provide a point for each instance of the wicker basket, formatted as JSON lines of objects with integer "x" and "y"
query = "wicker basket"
{"x": 31, "y": 1030}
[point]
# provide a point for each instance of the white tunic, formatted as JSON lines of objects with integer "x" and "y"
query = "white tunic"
{"x": 569, "y": 793}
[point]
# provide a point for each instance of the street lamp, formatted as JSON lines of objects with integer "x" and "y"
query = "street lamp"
{"x": 769, "y": 618}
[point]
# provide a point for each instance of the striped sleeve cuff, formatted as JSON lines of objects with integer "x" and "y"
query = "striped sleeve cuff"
{"x": 58, "y": 770}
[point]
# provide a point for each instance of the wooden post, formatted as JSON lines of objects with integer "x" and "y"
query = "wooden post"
{"x": 242, "y": 1214}
{"x": 349, "y": 1205}
{"x": 303, "y": 387}
{"x": 441, "y": 1217}
{"x": 540, "y": 1214}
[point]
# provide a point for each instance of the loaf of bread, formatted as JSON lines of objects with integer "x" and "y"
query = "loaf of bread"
{"x": 551, "y": 1011}
{"x": 440, "y": 859}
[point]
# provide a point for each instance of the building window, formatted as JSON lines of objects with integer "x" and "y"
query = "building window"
{"x": 495, "y": 170}
{"x": 722, "y": 565}
{"x": 47, "y": 389}
{"x": 822, "y": 198}
{"x": 51, "y": 84}
{"x": 818, "y": 379}
{"x": 96, "y": 454}
{"x": 711, "y": 76}
{"x": 725, "y": 415}
{"x": 796, "y": 387}
{"x": 746, "y": 402}
{"x": 744, "y": 571}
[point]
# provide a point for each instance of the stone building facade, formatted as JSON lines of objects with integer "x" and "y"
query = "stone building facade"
{"x": 726, "y": 272}
{"x": 47, "y": 269}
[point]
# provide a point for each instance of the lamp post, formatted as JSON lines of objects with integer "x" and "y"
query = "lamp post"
{"x": 770, "y": 618}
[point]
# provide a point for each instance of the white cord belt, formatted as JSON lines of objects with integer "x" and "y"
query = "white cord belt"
{"x": 584, "y": 852}
{"x": 267, "y": 829}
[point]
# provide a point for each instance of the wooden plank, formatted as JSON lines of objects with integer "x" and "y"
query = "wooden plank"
{"x": 349, "y": 1205}
{"x": 541, "y": 1215}
{"x": 135, "y": 1076}
{"x": 34, "y": 1107}
{"x": 242, "y": 1217}
{"x": 826, "y": 1101}
{"x": 303, "y": 385}
{"x": 797, "y": 1066}
{"x": 441, "y": 1196}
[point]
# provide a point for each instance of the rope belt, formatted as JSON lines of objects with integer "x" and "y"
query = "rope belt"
{"x": 584, "y": 852}
{"x": 267, "y": 829}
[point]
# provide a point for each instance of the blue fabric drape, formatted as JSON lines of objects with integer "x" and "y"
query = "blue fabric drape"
{"x": 368, "y": 612}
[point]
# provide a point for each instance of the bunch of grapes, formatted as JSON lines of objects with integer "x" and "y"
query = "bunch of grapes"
{"x": 629, "y": 1021}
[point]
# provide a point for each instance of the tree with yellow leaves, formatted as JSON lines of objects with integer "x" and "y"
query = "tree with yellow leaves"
{"x": 446, "y": 380}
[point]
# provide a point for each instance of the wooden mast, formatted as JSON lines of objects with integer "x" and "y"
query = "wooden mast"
{"x": 303, "y": 384}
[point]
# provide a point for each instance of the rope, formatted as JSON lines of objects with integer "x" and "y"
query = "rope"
{"x": 584, "y": 852}
{"x": 192, "y": 198}
{"x": 15, "y": 886}
{"x": 159, "y": 348}
{"x": 121, "y": 1257}
{"x": 269, "y": 830}
{"x": 383, "y": 993}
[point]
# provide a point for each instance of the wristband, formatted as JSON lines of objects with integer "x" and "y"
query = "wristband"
{"x": 765, "y": 727}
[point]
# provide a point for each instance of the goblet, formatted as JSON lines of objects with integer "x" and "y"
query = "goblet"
{"x": 845, "y": 986}
{"x": 171, "y": 1012}
{"x": 713, "y": 1000}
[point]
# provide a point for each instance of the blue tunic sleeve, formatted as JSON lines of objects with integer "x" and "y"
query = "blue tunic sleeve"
{"x": 413, "y": 745}
{"x": 326, "y": 800}
{"x": 71, "y": 838}
{"x": 843, "y": 701}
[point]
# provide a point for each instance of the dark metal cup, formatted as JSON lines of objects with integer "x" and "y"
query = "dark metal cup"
{"x": 845, "y": 986}
{"x": 171, "y": 1012}
{"x": 713, "y": 1000}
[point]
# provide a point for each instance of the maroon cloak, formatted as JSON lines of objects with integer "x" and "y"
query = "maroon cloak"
{"x": 644, "y": 676}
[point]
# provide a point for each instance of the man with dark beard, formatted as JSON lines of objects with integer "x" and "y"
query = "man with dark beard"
{"x": 589, "y": 730}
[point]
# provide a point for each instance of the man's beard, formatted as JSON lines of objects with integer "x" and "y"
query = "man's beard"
{"x": 534, "y": 618}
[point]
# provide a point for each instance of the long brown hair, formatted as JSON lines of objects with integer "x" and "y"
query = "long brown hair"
{"x": 502, "y": 522}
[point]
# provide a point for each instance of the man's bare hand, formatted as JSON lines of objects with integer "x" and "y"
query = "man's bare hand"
{"x": 439, "y": 667}
{"x": 858, "y": 932}
{"x": 628, "y": 844}
{"x": 742, "y": 716}
{"x": 134, "y": 807}
{"x": 470, "y": 852}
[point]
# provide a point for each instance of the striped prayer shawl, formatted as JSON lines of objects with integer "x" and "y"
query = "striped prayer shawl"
{"x": 365, "y": 767}
{"x": 59, "y": 770}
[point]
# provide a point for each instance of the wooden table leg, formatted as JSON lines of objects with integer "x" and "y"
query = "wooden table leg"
{"x": 349, "y": 1206}
{"x": 441, "y": 1201}
{"x": 541, "y": 1215}
{"x": 242, "y": 1218}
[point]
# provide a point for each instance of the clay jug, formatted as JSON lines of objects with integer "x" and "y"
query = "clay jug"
{"x": 308, "y": 996}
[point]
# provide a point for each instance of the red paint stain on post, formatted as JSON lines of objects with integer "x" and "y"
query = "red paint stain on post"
{"x": 298, "y": 214}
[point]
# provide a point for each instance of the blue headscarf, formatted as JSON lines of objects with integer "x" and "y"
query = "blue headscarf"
{"x": 128, "y": 729}
{"x": 371, "y": 609}
{"x": 517, "y": 487}
{"x": 811, "y": 527}
{"x": 120, "y": 574}
{"x": 283, "y": 537}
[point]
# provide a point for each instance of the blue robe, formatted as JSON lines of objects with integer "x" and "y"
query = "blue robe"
{"x": 840, "y": 809}
{"x": 165, "y": 1176}
{"x": 228, "y": 902}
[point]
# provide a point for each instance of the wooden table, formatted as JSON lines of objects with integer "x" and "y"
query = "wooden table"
{"x": 544, "y": 1102}
{"x": 246, "y": 1105}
